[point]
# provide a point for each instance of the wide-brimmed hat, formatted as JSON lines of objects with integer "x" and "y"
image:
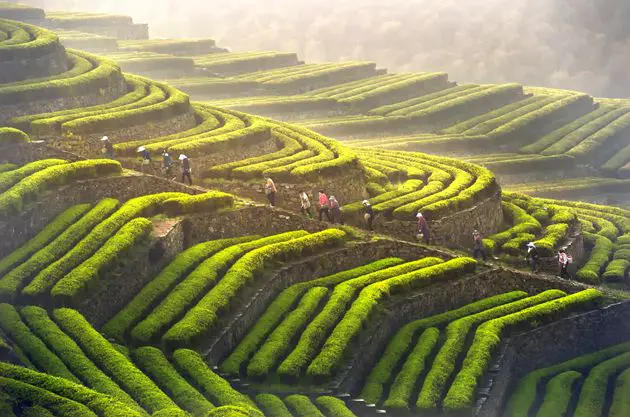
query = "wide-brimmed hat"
{"x": 365, "y": 202}
{"x": 182, "y": 157}
{"x": 104, "y": 138}
{"x": 531, "y": 245}
{"x": 141, "y": 148}
{"x": 419, "y": 215}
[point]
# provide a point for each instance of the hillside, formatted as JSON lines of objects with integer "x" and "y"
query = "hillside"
{"x": 126, "y": 292}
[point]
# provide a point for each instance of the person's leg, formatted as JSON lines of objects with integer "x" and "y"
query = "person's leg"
{"x": 370, "y": 219}
{"x": 475, "y": 253}
{"x": 310, "y": 214}
{"x": 330, "y": 219}
{"x": 483, "y": 254}
{"x": 189, "y": 178}
{"x": 303, "y": 211}
{"x": 321, "y": 213}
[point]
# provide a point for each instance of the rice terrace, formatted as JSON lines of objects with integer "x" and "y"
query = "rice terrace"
{"x": 192, "y": 231}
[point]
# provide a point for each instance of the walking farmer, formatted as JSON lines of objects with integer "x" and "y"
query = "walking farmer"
{"x": 532, "y": 255}
{"x": 423, "y": 229}
{"x": 168, "y": 165}
{"x": 108, "y": 148}
{"x": 368, "y": 214}
{"x": 146, "y": 157}
{"x": 270, "y": 191}
{"x": 305, "y": 204}
{"x": 324, "y": 206}
{"x": 564, "y": 260}
{"x": 186, "y": 169}
{"x": 478, "y": 248}
{"x": 335, "y": 210}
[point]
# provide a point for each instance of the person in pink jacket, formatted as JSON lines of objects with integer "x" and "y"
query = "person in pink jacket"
{"x": 324, "y": 206}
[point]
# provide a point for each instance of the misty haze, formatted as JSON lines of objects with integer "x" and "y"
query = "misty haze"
{"x": 581, "y": 45}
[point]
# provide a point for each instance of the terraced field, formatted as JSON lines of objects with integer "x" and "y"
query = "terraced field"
{"x": 125, "y": 293}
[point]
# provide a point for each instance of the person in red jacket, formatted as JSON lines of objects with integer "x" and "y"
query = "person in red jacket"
{"x": 324, "y": 206}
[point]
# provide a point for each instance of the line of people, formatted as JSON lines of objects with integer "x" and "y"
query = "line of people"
{"x": 167, "y": 161}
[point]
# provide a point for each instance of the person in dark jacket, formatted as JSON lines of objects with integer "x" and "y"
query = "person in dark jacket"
{"x": 108, "y": 148}
{"x": 368, "y": 214}
{"x": 423, "y": 229}
{"x": 186, "y": 169}
{"x": 167, "y": 161}
{"x": 478, "y": 248}
{"x": 532, "y": 254}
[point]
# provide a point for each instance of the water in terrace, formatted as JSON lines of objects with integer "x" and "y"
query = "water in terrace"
{"x": 572, "y": 44}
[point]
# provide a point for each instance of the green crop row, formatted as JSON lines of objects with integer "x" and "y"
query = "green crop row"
{"x": 267, "y": 75}
{"x": 62, "y": 406}
{"x": 174, "y": 103}
{"x": 522, "y": 223}
{"x": 321, "y": 327}
{"x": 585, "y": 149}
{"x": 405, "y": 188}
{"x": 17, "y": 11}
{"x": 14, "y": 34}
{"x": 78, "y": 64}
{"x": 524, "y": 396}
{"x": 119, "y": 367}
{"x": 334, "y": 407}
{"x": 558, "y": 394}
{"x": 65, "y": 19}
{"x": 492, "y": 124}
{"x": 414, "y": 81}
{"x": 594, "y": 390}
{"x": 281, "y": 165}
{"x": 78, "y": 281}
{"x": 519, "y": 125}
{"x": 336, "y": 347}
{"x": 272, "y": 405}
{"x": 170, "y": 46}
{"x": 197, "y": 283}
{"x": 621, "y": 398}
{"x": 398, "y": 347}
{"x": 284, "y": 303}
{"x": 105, "y": 74}
{"x": 40, "y": 42}
{"x": 352, "y": 88}
{"x": 211, "y": 121}
{"x": 289, "y": 152}
{"x": 302, "y": 406}
{"x": 563, "y": 139}
{"x": 9, "y": 179}
{"x": 344, "y": 158}
{"x": 618, "y": 160}
{"x": 405, "y": 381}
{"x": 279, "y": 341}
{"x": 7, "y": 167}
{"x": 44, "y": 237}
{"x": 470, "y": 124}
{"x": 13, "y": 200}
{"x": 72, "y": 355}
{"x": 428, "y": 104}
{"x": 472, "y": 183}
{"x": 103, "y": 405}
{"x": 37, "y": 352}
{"x": 603, "y": 226}
{"x": 192, "y": 365}
{"x": 19, "y": 275}
{"x": 600, "y": 255}
{"x": 52, "y": 273}
{"x": 200, "y": 203}
{"x": 155, "y": 364}
{"x": 553, "y": 235}
{"x": 452, "y": 104}
{"x": 242, "y": 62}
{"x": 488, "y": 337}
{"x": 159, "y": 286}
{"x": 9, "y": 136}
{"x": 401, "y": 108}
{"x": 616, "y": 270}
{"x": 46, "y": 123}
{"x": 205, "y": 315}
{"x": 444, "y": 365}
